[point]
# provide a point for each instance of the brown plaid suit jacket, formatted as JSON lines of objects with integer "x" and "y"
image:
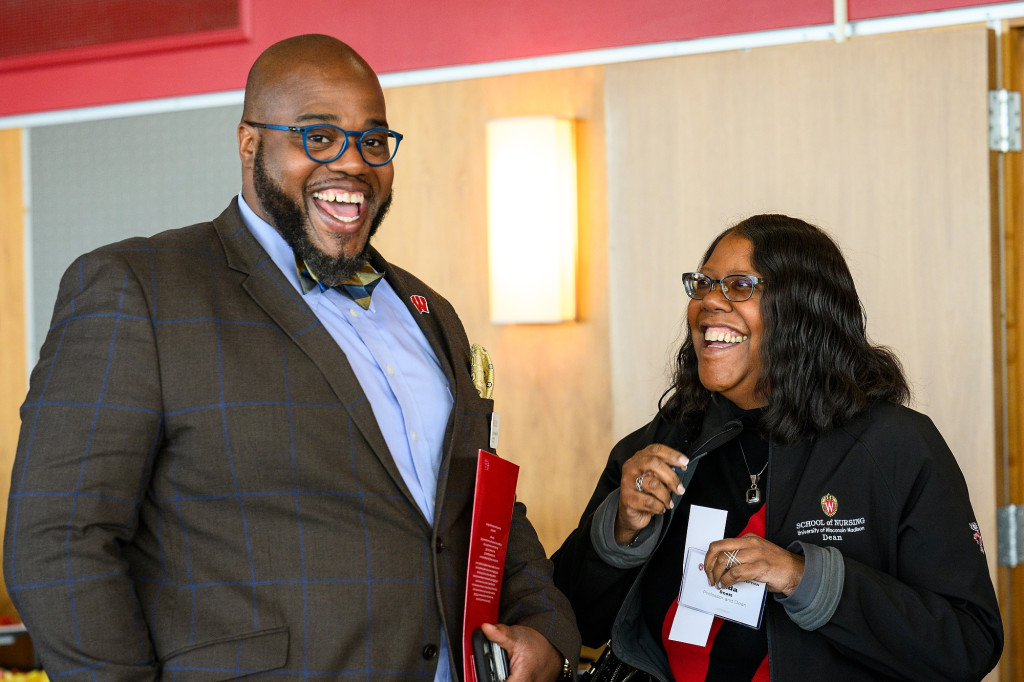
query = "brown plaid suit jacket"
{"x": 201, "y": 490}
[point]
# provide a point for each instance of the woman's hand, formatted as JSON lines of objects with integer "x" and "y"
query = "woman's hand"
{"x": 751, "y": 557}
{"x": 646, "y": 489}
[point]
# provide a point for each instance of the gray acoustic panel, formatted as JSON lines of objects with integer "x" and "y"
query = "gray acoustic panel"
{"x": 97, "y": 182}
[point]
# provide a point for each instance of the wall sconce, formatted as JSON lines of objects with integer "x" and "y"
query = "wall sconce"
{"x": 531, "y": 219}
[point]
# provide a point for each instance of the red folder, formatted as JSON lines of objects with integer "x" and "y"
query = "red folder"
{"x": 493, "y": 499}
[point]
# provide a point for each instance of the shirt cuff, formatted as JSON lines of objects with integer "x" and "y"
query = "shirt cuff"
{"x": 816, "y": 597}
{"x": 602, "y": 536}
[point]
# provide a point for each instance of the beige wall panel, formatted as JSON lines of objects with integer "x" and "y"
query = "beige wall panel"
{"x": 880, "y": 140}
{"x": 12, "y": 316}
{"x": 552, "y": 382}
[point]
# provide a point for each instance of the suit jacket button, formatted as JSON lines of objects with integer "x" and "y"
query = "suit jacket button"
{"x": 438, "y": 545}
{"x": 430, "y": 652}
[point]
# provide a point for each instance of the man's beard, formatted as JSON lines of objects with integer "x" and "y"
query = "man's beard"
{"x": 292, "y": 221}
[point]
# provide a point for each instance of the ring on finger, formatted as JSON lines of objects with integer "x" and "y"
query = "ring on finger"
{"x": 733, "y": 559}
{"x": 640, "y": 481}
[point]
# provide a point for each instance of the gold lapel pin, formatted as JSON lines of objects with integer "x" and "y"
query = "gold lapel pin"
{"x": 482, "y": 370}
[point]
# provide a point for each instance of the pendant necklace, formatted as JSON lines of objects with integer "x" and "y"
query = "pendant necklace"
{"x": 754, "y": 494}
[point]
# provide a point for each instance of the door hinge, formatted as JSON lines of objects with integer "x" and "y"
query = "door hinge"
{"x": 1004, "y": 121}
{"x": 1010, "y": 534}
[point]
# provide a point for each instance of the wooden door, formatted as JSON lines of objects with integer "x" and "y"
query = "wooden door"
{"x": 1009, "y": 168}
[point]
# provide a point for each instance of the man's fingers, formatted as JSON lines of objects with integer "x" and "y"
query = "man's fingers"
{"x": 501, "y": 635}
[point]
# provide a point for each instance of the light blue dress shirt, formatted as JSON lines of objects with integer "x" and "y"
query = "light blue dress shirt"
{"x": 396, "y": 368}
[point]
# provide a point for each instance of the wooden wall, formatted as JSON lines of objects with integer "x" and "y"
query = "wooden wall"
{"x": 552, "y": 382}
{"x": 13, "y": 374}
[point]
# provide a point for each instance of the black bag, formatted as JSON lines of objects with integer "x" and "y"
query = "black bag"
{"x": 608, "y": 668}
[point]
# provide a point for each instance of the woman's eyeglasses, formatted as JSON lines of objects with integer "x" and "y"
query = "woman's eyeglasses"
{"x": 735, "y": 288}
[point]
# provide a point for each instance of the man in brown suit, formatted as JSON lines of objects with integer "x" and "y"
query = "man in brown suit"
{"x": 230, "y": 466}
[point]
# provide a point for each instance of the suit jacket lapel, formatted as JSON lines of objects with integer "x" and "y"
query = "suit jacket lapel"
{"x": 428, "y": 322}
{"x": 279, "y": 299}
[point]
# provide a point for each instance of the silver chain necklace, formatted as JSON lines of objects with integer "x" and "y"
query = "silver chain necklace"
{"x": 754, "y": 494}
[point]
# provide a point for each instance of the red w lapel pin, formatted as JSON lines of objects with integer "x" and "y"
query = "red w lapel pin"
{"x": 420, "y": 303}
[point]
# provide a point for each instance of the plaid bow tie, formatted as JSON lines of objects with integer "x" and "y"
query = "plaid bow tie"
{"x": 358, "y": 287}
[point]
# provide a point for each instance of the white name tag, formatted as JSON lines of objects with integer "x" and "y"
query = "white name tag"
{"x": 742, "y": 603}
{"x": 706, "y": 525}
{"x": 495, "y": 422}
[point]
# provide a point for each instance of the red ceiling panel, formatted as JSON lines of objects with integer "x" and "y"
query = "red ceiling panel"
{"x": 34, "y": 32}
{"x": 152, "y": 49}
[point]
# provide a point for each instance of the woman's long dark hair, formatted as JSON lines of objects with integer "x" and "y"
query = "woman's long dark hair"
{"x": 818, "y": 367}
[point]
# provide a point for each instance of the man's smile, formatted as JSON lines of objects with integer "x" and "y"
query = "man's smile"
{"x": 344, "y": 206}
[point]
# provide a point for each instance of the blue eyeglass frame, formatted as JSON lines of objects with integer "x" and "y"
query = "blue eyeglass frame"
{"x": 344, "y": 147}
{"x": 689, "y": 280}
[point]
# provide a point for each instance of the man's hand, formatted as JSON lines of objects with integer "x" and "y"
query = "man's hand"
{"x": 532, "y": 658}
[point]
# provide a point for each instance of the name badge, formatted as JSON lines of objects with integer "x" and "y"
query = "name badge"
{"x": 741, "y": 603}
{"x": 706, "y": 525}
{"x": 495, "y": 424}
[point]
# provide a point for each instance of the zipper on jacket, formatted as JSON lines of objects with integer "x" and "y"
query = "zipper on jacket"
{"x": 729, "y": 430}
{"x": 719, "y": 438}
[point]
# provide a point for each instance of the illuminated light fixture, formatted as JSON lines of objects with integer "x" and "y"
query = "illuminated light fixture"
{"x": 531, "y": 219}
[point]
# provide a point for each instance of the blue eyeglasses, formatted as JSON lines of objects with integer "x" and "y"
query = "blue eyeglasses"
{"x": 326, "y": 143}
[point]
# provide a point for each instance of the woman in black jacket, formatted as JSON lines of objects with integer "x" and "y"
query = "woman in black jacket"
{"x": 846, "y": 504}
